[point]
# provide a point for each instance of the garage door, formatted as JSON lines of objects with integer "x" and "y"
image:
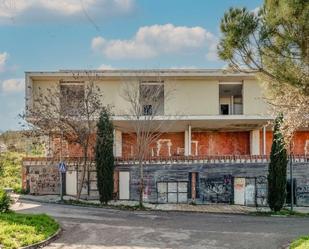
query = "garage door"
{"x": 124, "y": 185}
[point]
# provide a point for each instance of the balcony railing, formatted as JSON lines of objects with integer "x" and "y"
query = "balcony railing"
{"x": 171, "y": 159}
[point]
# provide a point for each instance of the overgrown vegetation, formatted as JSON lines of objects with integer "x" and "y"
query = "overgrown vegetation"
{"x": 10, "y": 170}
{"x": 5, "y": 201}
{"x": 273, "y": 43}
{"x": 300, "y": 243}
{"x": 282, "y": 212}
{"x": 17, "y": 230}
{"x": 104, "y": 157}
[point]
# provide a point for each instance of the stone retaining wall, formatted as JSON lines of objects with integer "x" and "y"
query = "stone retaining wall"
{"x": 214, "y": 183}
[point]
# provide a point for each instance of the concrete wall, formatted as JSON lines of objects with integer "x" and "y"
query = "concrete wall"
{"x": 214, "y": 183}
{"x": 192, "y": 97}
{"x": 183, "y": 96}
{"x": 253, "y": 102}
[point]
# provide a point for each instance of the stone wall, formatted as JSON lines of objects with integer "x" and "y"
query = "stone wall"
{"x": 213, "y": 182}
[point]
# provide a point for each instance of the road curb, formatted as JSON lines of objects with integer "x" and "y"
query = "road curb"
{"x": 44, "y": 242}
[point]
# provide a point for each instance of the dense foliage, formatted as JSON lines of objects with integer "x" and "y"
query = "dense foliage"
{"x": 18, "y": 230}
{"x": 10, "y": 170}
{"x": 277, "y": 170}
{"x": 274, "y": 43}
{"x": 104, "y": 157}
{"x": 5, "y": 201}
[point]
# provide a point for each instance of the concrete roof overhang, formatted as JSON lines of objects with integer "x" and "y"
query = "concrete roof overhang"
{"x": 197, "y": 123}
{"x": 218, "y": 74}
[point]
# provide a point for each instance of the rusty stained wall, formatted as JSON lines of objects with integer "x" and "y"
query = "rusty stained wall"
{"x": 220, "y": 143}
{"x": 168, "y": 144}
{"x": 300, "y": 142}
{"x": 203, "y": 143}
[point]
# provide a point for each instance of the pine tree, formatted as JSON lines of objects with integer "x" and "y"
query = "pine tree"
{"x": 277, "y": 170}
{"x": 104, "y": 157}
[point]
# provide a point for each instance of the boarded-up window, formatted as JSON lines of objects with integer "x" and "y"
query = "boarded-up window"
{"x": 172, "y": 192}
{"x": 72, "y": 99}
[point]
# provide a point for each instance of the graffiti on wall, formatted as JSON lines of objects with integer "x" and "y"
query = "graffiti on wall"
{"x": 216, "y": 190}
{"x": 261, "y": 191}
{"x": 302, "y": 195}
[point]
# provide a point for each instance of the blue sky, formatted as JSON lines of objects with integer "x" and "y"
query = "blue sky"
{"x": 40, "y": 35}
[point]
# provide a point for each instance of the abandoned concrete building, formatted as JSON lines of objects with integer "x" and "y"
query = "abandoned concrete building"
{"x": 215, "y": 150}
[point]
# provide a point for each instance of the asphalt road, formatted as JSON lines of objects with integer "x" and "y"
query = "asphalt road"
{"x": 114, "y": 229}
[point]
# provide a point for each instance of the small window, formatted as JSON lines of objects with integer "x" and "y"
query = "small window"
{"x": 224, "y": 109}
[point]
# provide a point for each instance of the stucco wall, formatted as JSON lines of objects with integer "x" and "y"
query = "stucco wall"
{"x": 254, "y": 103}
{"x": 192, "y": 97}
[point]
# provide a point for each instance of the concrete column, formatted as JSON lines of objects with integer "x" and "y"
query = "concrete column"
{"x": 188, "y": 141}
{"x": 193, "y": 186}
{"x": 117, "y": 143}
{"x": 255, "y": 142}
{"x": 264, "y": 140}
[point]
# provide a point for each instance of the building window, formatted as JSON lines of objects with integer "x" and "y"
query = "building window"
{"x": 172, "y": 192}
{"x": 71, "y": 98}
{"x": 231, "y": 98}
{"x": 224, "y": 109}
{"x": 152, "y": 97}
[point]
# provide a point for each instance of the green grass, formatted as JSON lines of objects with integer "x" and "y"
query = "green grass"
{"x": 283, "y": 212}
{"x": 17, "y": 230}
{"x": 300, "y": 243}
{"x": 10, "y": 170}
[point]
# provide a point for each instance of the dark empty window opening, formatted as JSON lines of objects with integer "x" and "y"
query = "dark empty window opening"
{"x": 152, "y": 98}
{"x": 231, "y": 98}
{"x": 224, "y": 109}
{"x": 72, "y": 99}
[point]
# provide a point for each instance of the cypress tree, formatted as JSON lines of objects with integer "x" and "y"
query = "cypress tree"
{"x": 277, "y": 169}
{"x": 104, "y": 157}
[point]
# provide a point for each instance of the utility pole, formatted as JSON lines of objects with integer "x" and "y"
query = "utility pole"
{"x": 291, "y": 178}
{"x": 60, "y": 171}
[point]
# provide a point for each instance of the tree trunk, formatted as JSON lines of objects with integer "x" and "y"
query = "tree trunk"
{"x": 80, "y": 186}
{"x": 141, "y": 188}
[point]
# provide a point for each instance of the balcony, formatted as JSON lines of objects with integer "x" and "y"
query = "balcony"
{"x": 224, "y": 159}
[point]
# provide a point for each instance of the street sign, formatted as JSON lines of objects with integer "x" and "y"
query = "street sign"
{"x": 61, "y": 167}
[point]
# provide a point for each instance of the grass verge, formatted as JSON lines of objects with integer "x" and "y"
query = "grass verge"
{"x": 300, "y": 243}
{"x": 283, "y": 212}
{"x": 90, "y": 204}
{"x": 18, "y": 230}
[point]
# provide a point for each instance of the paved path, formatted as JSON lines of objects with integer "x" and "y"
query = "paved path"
{"x": 114, "y": 229}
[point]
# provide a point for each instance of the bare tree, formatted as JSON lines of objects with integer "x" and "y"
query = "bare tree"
{"x": 68, "y": 110}
{"x": 146, "y": 99}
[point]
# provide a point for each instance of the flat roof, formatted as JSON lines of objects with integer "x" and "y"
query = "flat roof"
{"x": 143, "y": 73}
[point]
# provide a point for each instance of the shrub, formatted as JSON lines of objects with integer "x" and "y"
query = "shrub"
{"x": 5, "y": 201}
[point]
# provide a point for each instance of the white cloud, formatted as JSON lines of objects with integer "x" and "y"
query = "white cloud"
{"x": 104, "y": 67}
{"x": 3, "y": 59}
{"x": 13, "y": 85}
{"x": 155, "y": 40}
{"x": 31, "y": 10}
{"x": 256, "y": 10}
